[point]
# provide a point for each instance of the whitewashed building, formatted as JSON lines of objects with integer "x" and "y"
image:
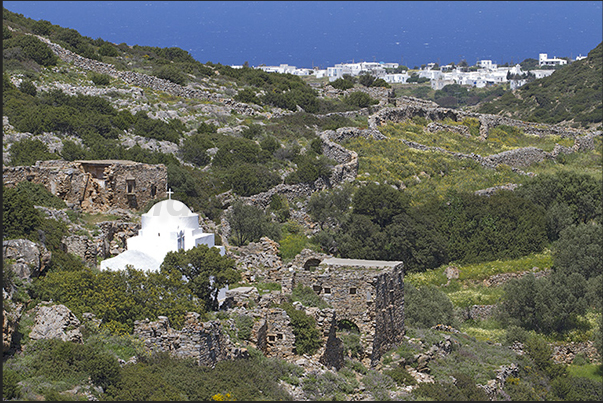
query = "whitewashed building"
{"x": 168, "y": 226}
{"x": 543, "y": 60}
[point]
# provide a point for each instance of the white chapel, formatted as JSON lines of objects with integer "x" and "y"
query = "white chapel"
{"x": 168, "y": 226}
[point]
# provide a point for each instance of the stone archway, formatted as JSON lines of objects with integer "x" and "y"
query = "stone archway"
{"x": 311, "y": 264}
{"x": 349, "y": 333}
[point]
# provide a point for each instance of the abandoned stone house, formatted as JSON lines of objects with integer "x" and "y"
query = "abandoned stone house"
{"x": 368, "y": 295}
{"x": 95, "y": 185}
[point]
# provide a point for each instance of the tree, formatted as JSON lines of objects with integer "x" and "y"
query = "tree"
{"x": 380, "y": 202}
{"x": 27, "y": 87}
{"x": 204, "y": 269}
{"x": 194, "y": 149}
{"x": 366, "y": 79}
{"x": 37, "y": 50}
{"x": 172, "y": 74}
{"x": 330, "y": 205}
{"x": 343, "y": 83}
{"x": 249, "y": 223}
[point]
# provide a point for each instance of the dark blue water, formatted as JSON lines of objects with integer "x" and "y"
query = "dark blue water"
{"x": 322, "y": 33}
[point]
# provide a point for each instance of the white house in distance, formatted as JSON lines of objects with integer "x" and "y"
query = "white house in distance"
{"x": 543, "y": 60}
{"x": 168, "y": 226}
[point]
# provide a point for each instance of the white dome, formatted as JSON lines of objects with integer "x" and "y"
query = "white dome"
{"x": 172, "y": 208}
{"x": 169, "y": 215}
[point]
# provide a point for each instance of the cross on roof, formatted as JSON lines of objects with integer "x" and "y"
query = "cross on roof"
{"x": 170, "y": 193}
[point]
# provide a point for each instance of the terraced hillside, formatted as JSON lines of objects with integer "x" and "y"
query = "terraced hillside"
{"x": 497, "y": 222}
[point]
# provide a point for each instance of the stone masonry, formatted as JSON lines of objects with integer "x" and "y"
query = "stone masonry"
{"x": 206, "y": 342}
{"x": 370, "y": 297}
{"x": 95, "y": 185}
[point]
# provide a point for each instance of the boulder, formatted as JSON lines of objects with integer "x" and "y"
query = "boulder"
{"x": 55, "y": 322}
{"x": 30, "y": 258}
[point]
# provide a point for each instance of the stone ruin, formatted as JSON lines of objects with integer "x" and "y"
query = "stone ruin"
{"x": 206, "y": 342}
{"x": 367, "y": 294}
{"x": 95, "y": 185}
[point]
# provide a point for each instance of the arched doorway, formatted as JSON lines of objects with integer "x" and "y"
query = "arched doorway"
{"x": 349, "y": 333}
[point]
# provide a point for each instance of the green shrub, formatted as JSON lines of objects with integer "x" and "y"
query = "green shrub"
{"x": 20, "y": 218}
{"x": 307, "y": 336}
{"x": 427, "y": 306}
{"x": 100, "y": 79}
{"x": 244, "y": 325}
{"x": 308, "y": 297}
{"x": 360, "y": 99}
{"x": 29, "y": 151}
{"x": 39, "y": 195}
{"x": 401, "y": 376}
{"x": 343, "y": 83}
{"x": 28, "y": 87}
{"x": 171, "y": 73}
{"x": 10, "y": 388}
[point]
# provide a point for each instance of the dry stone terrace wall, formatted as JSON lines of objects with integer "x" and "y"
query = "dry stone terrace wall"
{"x": 144, "y": 80}
{"x": 371, "y": 298}
{"x": 407, "y": 109}
{"x": 95, "y": 186}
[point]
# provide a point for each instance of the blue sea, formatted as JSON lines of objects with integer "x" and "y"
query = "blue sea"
{"x": 323, "y": 33}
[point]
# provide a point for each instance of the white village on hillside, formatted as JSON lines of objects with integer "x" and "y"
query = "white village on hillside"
{"x": 484, "y": 74}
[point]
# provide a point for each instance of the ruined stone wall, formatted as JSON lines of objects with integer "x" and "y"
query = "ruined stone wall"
{"x": 273, "y": 334}
{"x": 388, "y": 311}
{"x": 72, "y": 182}
{"x": 206, "y": 342}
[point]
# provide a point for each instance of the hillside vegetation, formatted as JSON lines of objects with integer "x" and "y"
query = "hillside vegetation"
{"x": 572, "y": 95}
{"x": 525, "y": 242}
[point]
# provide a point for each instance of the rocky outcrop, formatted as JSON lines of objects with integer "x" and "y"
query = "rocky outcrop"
{"x": 26, "y": 258}
{"x": 55, "y": 322}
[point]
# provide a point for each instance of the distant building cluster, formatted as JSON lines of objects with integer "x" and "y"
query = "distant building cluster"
{"x": 485, "y": 73}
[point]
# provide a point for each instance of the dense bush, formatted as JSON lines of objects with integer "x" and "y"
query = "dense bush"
{"x": 194, "y": 149}
{"x": 172, "y": 74}
{"x": 360, "y": 99}
{"x": 39, "y": 195}
{"x": 33, "y": 49}
{"x": 427, "y": 306}
{"x": 343, "y": 83}
{"x": 546, "y": 305}
{"x": 100, "y": 79}
{"x": 118, "y": 298}
{"x": 19, "y": 217}
{"x": 29, "y": 151}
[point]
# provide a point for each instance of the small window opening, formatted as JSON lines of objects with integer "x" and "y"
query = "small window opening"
{"x": 279, "y": 336}
{"x": 353, "y": 290}
{"x": 153, "y": 190}
{"x": 271, "y": 338}
{"x": 317, "y": 289}
{"x": 327, "y": 290}
{"x": 131, "y": 185}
